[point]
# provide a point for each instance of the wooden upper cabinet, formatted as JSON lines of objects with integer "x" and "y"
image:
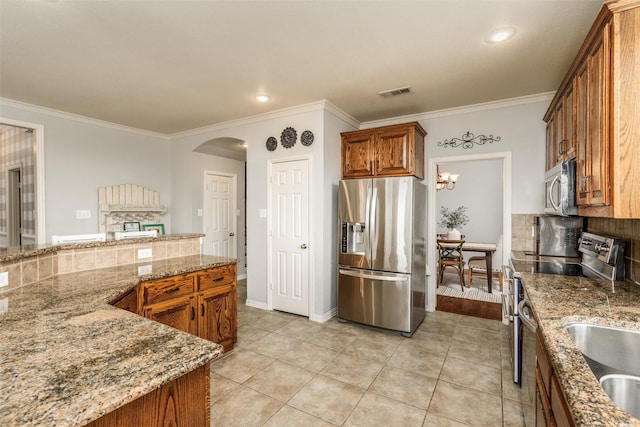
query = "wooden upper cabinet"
{"x": 582, "y": 168}
{"x": 357, "y": 155}
{"x": 567, "y": 147}
{"x": 603, "y": 86}
{"x": 396, "y": 150}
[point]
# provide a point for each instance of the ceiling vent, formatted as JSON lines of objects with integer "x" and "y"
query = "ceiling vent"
{"x": 395, "y": 92}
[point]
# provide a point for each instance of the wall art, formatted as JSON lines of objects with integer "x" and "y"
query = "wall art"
{"x": 288, "y": 137}
{"x": 306, "y": 138}
{"x": 468, "y": 140}
{"x": 272, "y": 143}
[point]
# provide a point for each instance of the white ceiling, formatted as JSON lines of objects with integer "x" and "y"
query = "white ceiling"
{"x": 171, "y": 66}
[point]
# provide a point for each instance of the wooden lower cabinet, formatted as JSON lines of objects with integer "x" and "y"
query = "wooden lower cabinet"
{"x": 182, "y": 402}
{"x": 128, "y": 301}
{"x": 203, "y": 303}
{"x": 216, "y": 315}
{"x": 178, "y": 313}
{"x": 551, "y": 406}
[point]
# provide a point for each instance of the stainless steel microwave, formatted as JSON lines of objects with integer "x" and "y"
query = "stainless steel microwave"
{"x": 560, "y": 189}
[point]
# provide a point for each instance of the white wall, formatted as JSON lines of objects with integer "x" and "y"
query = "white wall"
{"x": 255, "y": 132}
{"x": 333, "y": 126}
{"x": 82, "y": 155}
{"x": 479, "y": 188}
{"x": 517, "y": 122}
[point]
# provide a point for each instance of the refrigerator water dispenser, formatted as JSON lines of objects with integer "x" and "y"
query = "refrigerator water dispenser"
{"x": 352, "y": 238}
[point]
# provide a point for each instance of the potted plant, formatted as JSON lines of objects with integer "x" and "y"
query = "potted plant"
{"x": 452, "y": 220}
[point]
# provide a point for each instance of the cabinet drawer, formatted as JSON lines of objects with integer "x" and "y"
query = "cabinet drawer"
{"x": 216, "y": 277}
{"x": 167, "y": 289}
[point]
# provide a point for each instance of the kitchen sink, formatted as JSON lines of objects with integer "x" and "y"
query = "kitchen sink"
{"x": 613, "y": 354}
{"x": 608, "y": 350}
{"x": 624, "y": 390}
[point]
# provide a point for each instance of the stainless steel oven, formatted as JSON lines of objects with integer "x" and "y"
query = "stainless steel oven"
{"x": 511, "y": 302}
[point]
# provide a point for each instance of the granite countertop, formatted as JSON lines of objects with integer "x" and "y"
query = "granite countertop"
{"x": 26, "y": 251}
{"x": 558, "y": 300}
{"x": 68, "y": 357}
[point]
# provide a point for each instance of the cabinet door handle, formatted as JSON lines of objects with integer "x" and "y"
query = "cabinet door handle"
{"x": 193, "y": 313}
{"x": 560, "y": 147}
{"x": 171, "y": 291}
{"x": 217, "y": 279}
{"x": 201, "y": 309}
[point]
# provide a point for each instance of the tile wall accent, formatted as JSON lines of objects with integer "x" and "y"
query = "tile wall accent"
{"x": 522, "y": 236}
{"x": 30, "y": 270}
{"x": 627, "y": 229}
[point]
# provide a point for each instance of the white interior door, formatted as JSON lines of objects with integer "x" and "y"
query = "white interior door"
{"x": 290, "y": 248}
{"x": 219, "y": 215}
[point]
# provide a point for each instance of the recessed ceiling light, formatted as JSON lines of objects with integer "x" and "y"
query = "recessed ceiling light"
{"x": 263, "y": 98}
{"x": 500, "y": 35}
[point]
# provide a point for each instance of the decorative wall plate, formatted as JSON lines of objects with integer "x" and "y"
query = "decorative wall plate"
{"x": 306, "y": 138}
{"x": 288, "y": 137}
{"x": 272, "y": 143}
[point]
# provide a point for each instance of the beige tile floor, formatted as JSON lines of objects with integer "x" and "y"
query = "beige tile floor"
{"x": 288, "y": 371}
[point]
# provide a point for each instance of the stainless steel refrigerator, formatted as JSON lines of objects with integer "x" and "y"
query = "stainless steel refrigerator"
{"x": 381, "y": 252}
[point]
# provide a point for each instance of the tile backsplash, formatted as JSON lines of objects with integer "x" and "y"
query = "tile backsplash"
{"x": 523, "y": 236}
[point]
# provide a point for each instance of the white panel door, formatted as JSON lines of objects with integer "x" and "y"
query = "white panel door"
{"x": 219, "y": 218}
{"x": 290, "y": 250}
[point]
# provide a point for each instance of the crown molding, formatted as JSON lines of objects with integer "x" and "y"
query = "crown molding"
{"x": 284, "y": 112}
{"x": 473, "y": 108}
{"x": 77, "y": 118}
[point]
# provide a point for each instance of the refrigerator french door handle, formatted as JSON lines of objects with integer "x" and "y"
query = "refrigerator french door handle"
{"x": 373, "y": 229}
{"x": 362, "y": 275}
{"x": 368, "y": 227}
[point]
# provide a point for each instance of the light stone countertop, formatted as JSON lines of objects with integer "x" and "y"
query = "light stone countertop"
{"x": 67, "y": 357}
{"x": 558, "y": 300}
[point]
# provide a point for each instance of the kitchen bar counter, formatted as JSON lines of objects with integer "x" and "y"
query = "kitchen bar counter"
{"x": 67, "y": 357}
{"x": 27, "y": 251}
{"x": 558, "y": 300}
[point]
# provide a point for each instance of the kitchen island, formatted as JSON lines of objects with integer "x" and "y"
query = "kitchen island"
{"x": 558, "y": 300}
{"x": 68, "y": 357}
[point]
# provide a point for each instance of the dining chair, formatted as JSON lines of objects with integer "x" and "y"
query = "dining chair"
{"x": 478, "y": 270}
{"x": 450, "y": 255}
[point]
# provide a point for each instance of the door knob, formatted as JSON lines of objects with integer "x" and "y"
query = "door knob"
{"x": 303, "y": 246}
{"x": 232, "y": 234}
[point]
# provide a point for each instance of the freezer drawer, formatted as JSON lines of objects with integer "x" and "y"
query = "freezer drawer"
{"x": 375, "y": 298}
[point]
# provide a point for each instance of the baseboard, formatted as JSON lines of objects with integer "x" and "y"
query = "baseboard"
{"x": 242, "y": 276}
{"x": 257, "y": 304}
{"x": 321, "y": 318}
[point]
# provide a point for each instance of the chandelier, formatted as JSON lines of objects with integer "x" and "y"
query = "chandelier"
{"x": 445, "y": 180}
